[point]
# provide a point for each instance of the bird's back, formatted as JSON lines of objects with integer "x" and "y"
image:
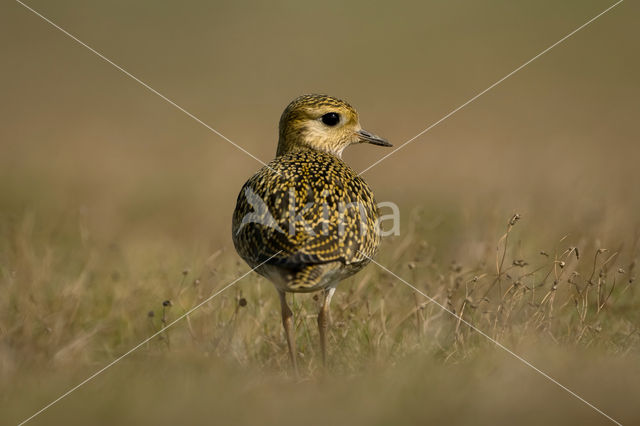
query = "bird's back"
{"x": 310, "y": 217}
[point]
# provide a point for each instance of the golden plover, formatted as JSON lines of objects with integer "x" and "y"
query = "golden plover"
{"x": 307, "y": 220}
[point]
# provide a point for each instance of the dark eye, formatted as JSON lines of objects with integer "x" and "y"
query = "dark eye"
{"x": 331, "y": 118}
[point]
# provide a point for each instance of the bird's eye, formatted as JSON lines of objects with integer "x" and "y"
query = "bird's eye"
{"x": 331, "y": 118}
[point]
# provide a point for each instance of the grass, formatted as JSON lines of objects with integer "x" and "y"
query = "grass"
{"x": 70, "y": 305}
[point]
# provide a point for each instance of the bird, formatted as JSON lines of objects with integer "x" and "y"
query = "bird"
{"x": 306, "y": 220}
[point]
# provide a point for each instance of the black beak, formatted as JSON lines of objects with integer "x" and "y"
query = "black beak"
{"x": 371, "y": 138}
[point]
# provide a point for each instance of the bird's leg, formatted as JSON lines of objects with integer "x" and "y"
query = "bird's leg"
{"x": 324, "y": 317}
{"x": 287, "y": 322}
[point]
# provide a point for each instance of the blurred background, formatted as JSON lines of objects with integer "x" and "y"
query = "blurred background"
{"x": 109, "y": 189}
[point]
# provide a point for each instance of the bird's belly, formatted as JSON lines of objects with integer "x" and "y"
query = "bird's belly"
{"x": 308, "y": 278}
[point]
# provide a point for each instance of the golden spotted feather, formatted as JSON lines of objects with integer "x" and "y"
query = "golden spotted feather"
{"x": 311, "y": 215}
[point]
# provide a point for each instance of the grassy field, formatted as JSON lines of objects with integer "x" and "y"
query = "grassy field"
{"x": 71, "y": 305}
{"x": 115, "y": 215}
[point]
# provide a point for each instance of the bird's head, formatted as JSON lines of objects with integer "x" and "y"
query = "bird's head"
{"x": 322, "y": 123}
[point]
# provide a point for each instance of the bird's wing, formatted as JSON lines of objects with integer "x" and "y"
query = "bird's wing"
{"x": 301, "y": 213}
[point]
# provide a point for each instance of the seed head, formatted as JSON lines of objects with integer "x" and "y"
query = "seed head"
{"x": 575, "y": 249}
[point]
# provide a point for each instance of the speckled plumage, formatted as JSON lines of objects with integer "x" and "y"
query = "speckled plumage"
{"x": 306, "y": 260}
{"x": 306, "y": 220}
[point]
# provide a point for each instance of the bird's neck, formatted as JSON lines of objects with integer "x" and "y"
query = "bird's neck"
{"x": 287, "y": 146}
